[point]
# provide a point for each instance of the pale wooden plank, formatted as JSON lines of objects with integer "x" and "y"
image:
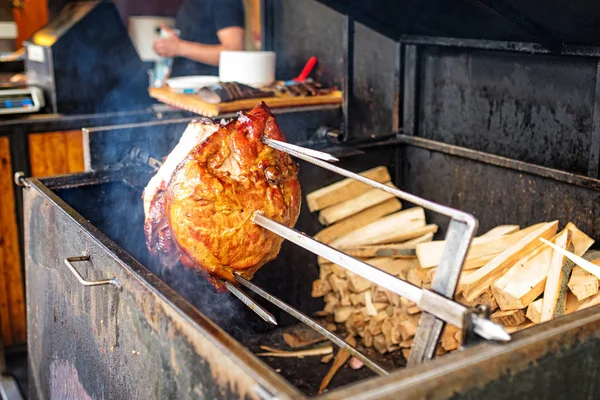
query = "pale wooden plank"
{"x": 555, "y": 278}
{"x": 509, "y": 318}
{"x": 482, "y": 250}
{"x": 478, "y": 282}
{"x": 345, "y": 189}
{"x": 583, "y": 284}
{"x": 534, "y": 311}
{"x": 501, "y": 230}
{"x": 403, "y": 225}
{"x": 525, "y": 281}
{"x": 357, "y": 221}
{"x": 397, "y": 250}
{"x": 351, "y": 207}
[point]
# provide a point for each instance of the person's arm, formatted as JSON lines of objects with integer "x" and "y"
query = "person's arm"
{"x": 231, "y": 38}
{"x": 229, "y": 20}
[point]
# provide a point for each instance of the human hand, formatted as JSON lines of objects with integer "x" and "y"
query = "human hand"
{"x": 169, "y": 46}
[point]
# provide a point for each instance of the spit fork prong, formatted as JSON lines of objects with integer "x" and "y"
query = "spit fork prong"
{"x": 341, "y": 343}
{"x": 296, "y": 150}
{"x": 253, "y": 305}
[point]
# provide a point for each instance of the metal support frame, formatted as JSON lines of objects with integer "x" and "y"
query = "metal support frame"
{"x": 409, "y": 104}
{"x": 594, "y": 164}
{"x": 398, "y": 103}
{"x": 485, "y": 44}
{"x": 348, "y": 82}
{"x": 469, "y": 337}
{"x": 444, "y": 283}
{"x": 9, "y": 389}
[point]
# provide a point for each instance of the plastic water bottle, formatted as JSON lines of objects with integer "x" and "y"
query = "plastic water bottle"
{"x": 162, "y": 67}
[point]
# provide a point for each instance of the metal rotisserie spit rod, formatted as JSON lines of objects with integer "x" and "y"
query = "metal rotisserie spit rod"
{"x": 341, "y": 343}
{"x": 433, "y": 303}
{"x": 289, "y": 148}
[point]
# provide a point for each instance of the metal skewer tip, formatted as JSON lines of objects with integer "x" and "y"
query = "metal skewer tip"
{"x": 295, "y": 150}
{"x": 254, "y": 306}
{"x": 490, "y": 330}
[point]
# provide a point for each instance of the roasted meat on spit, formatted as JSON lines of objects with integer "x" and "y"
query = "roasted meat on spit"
{"x": 199, "y": 206}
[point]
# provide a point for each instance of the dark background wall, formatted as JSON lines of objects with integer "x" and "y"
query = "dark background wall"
{"x": 129, "y": 8}
{"x": 454, "y": 72}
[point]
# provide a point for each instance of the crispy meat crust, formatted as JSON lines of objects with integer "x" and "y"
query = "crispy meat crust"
{"x": 156, "y": 227}
{"x": 213, "y": 193}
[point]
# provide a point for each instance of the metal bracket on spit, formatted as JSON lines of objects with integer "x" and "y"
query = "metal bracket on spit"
{"x": 138, "y": 155}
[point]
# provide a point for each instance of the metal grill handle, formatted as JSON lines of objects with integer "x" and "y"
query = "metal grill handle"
{"x": 69, "y": 263}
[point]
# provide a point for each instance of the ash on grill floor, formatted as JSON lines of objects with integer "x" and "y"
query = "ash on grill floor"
{"x": 308, "y": 372}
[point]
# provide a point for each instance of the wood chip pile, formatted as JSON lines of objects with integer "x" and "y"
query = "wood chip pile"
{"x": 509, "y": 269}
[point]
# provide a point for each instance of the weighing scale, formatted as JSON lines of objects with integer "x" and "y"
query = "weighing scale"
{"x": 21, "y": 100}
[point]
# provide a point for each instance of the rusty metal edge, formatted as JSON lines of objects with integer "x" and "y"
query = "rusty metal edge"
{"x": 270, "y": 381}
{"x": 487, "y": 44}
{"x": 474, "y": 368}
{"x": 499, "y": 161}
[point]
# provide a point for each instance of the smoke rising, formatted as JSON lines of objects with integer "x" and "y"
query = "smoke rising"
{"x": 117, "y": 210}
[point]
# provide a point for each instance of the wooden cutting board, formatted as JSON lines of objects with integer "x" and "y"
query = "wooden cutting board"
{"x": 192, "y": 103}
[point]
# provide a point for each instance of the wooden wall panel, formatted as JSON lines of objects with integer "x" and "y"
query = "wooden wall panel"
{"x": 56, "y": 153}
{"x": 12, "y": 305}
{"x": 31, "y": 18}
